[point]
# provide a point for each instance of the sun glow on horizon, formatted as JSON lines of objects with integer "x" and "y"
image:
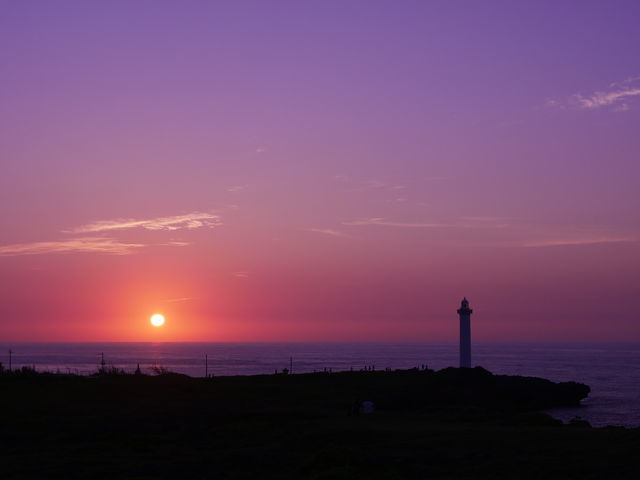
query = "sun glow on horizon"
{"x": 157, "y": 320}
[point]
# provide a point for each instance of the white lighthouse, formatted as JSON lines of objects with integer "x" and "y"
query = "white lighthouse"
{"x": 465, "y": 333}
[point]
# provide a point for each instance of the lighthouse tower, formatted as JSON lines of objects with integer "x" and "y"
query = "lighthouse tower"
{"x": 465, "y": 333}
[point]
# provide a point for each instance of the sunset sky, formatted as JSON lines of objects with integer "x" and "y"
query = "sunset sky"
{"x": 319, "y": 170}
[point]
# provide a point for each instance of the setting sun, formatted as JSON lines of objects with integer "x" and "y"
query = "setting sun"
{"x": 157, "y": 320}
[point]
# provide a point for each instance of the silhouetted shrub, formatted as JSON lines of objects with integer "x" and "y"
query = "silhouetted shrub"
{"x": 110, "y": 370}
{"x": 579, "y": 422}
{"x": 160, "y": 370}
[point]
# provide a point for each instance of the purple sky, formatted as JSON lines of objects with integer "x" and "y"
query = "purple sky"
{"x": 319, "y": 170}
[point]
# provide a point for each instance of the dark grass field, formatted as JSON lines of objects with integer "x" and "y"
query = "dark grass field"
{"x": 455, "y": 424}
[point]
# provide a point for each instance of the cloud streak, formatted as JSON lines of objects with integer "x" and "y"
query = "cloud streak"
{"x": 188, "y": 221}
{"x": 366, "y": 185}
{"x": 387, "y": 223}
{"x": 604, "y": 99}
{"x": 564, "y": 242}
{"x": 466, "y": 222}
{"x": 179, "y": 300}
{"x": 614, "y": 97}
{"x": 76, "y": 245}
{"x": 236, "y": 188}
{"x": 327, "y": 231}
{"x": 513, "y": 231}
{"x": 108, "y": 245}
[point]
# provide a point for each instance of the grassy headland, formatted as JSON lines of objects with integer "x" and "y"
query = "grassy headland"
{"x": 449, "y": 424}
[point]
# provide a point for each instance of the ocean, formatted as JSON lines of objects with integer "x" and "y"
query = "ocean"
{"x": 611, "y": 370}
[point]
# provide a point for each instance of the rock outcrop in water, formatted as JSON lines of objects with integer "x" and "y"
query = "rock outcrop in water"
{"x": 453, "y": 388}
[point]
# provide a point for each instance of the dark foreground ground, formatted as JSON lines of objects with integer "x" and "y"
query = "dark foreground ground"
{"x": 455, "y": 424}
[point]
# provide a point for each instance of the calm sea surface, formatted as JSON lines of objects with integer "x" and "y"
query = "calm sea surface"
{"x": 611, "y": 370}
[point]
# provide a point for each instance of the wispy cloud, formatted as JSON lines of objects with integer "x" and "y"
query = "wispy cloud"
{"x": 485, "y": 221}
{"x": 603, "y": 99}
{"x": 327, "y": 231}
{"x": 178, "y": 300}
{"x": 507, "y": 231}
{"x": 552, "y": 103}
{"x": 626, "y": 81}
{"x": 559, "y": 242}
{"x": 375, "y": 185}
{"x": 365, "y": 185}
{"x": 613, "y": 97}
{"x": 174, "y": 244}
{"x": 236, "y": 188}
{"x": 464, "y": 222}
{"x": 107, "y": 245}
{"x": 187, "y": 221}
{"x": 387, "y": 223}
{"x": 76, "y": 245}
{"x": 241, "y": 274}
